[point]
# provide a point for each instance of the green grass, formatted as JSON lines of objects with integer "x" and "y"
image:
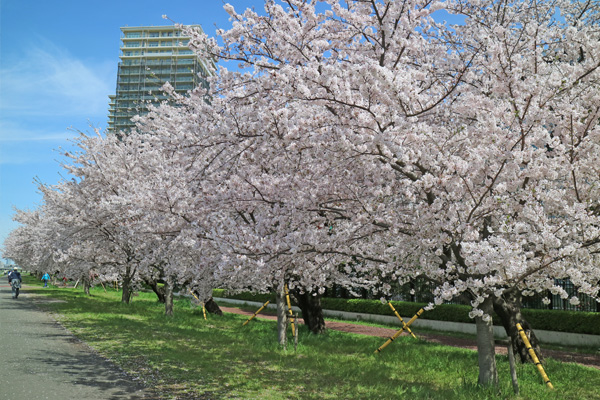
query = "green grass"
{"x": 185, "y": 356}
{"x": 592, "y": 350}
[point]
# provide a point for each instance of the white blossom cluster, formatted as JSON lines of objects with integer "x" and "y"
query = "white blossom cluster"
{"x": 360, "y": 143}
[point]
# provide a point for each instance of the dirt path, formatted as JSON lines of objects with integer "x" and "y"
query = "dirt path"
{"x": 589, "y": 360}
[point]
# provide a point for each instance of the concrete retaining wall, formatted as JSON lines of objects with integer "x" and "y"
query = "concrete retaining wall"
{"x": 551, "y": 337}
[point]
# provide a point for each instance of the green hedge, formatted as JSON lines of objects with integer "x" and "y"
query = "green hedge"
{"x": 550, "y": 320}
{"x": 564, "y": 321}
{"x": 444, "y": 312}
{"x": 259, "y": 297}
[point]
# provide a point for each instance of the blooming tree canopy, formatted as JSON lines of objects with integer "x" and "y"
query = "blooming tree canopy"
{"x": 466, "y": 153}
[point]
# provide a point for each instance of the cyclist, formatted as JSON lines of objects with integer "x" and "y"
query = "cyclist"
{"x": 14, "y": 280}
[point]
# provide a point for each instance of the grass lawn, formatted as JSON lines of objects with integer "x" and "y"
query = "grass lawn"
{"x": 592, "y": 350}
{"x": 185, "y": 357}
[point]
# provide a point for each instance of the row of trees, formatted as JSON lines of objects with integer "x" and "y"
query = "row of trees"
{"x": 357, "y": 143}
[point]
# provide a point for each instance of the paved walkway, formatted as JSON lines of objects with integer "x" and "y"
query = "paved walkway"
{"x": 42, "y": 360}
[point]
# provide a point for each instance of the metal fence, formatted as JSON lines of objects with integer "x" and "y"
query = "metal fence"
{"x": 586, "y": 303}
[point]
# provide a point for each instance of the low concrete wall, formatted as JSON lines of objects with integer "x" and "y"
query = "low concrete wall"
{"x": 551, "y": 337}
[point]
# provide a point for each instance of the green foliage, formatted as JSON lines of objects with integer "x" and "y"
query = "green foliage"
{"x": 550, "y": 320}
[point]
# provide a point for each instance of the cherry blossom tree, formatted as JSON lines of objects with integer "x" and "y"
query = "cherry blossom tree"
{"x": 142, "y": 189}
{"x": 466, "y": 154}
{"x": 28, "y": 244}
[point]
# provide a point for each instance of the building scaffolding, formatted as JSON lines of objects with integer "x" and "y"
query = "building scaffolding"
{"x": 150, "y": 57}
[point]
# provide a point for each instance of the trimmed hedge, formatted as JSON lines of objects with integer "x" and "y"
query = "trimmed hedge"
{"x": 444, "y": 312}
{"x": 259, "y": 297}
{"x": 550, "y": 320}
{"x": 564, "y": 321}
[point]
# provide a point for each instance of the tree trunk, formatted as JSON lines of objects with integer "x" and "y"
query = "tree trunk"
{"x": 168, "y": 289}
{"x": 86, "y": 285}
{"x": 212, "y": 307}
{"x": 312, "y": 312}
{"x": 486, "y": 350}
{"x": 159, "y": 291}
{"x": 281, "y": 317}
{"x": 508, "y": 308}
{"x": 126, "y": 296}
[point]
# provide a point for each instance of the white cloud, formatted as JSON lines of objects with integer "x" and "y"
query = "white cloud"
{"x": 49, "y": 80}
{"x": 15, "y": 132}
{"x": 21, "y": 145}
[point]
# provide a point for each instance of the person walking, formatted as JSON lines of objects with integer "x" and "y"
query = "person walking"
{"x": 46, "y": 278}
{"x": 14, "y": 280}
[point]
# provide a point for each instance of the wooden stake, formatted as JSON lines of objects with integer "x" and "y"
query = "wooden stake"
{"x": 296, "y": 334}
{"x": 536, "y": 361}
{"x": 289, "y": 304}
{"x": 401, "y": 320}
{"x": 393, "y": 337}
{"x": 513, "y": 370}
{"x": 256, "y": 313}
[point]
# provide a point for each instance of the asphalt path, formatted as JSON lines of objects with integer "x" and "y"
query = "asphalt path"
{"x": 39, "y": 359}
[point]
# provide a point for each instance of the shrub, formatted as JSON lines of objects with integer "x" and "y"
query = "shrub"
{"x": 564, "y": 321}
{"x": 259, "y": 297}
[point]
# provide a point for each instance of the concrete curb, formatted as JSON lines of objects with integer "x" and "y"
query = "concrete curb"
{"x": 551, "y": 337}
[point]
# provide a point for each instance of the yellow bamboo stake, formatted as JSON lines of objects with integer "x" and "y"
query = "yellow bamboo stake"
{"x": 391, "y": 339}
{"x": 401, "y": 320}
{"x": 203, "y": 309}
{"x": 289, "y": 304}
{"x": 256, "y": 313}
{"x": 103, "y": 286}
{"x": 536, "y": 361}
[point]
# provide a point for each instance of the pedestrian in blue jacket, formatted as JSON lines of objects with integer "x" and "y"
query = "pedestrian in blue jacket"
{"x": 46, "y": 278}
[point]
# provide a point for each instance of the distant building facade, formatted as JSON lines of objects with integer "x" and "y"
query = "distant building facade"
{"x": 150, "y": 57}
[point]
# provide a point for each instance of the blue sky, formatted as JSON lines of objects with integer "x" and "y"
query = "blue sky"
{"x": 58, "y": 64}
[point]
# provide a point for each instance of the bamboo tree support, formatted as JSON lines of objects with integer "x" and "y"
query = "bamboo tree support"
{"x": 116, "y": 285}
{"x": 401, "y": 320}
{"x": 536, "y": 361}
{"x": 103, "y": 286}
{"x": 76, "y": 283}
{"x": 256, "y": 313}
{"x": 203, "y": 309}
{"x": 392, "y": 338}
{"x": 289, "y": 304}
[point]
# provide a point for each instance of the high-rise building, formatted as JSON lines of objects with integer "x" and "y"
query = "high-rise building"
{"x": 150, "y": 57}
